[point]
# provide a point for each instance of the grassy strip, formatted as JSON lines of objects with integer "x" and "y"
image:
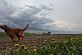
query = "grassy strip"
{"x": 3, "y": 34}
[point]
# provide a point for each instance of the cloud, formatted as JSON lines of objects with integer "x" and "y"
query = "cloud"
{"x": 69, "y": 11}
{"x": 9, "y": 15}
{"x": 36, "y": 16}
{"x": 5, "y": 8}
{"x": 30, "y": 16}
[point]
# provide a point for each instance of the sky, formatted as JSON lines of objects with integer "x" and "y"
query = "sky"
{"x": 58, "y": 16}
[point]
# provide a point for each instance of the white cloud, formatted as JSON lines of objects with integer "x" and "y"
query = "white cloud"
{"x": 21, "y": 17}
{"x": 66, "y": 13}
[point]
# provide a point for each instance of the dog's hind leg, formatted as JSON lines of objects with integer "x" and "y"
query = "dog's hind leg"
{"x": 21, "y": 35}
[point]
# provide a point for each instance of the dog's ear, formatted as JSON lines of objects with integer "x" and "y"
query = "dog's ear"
{"x": 5, "y": 27}
{"x": 2, "y": 26}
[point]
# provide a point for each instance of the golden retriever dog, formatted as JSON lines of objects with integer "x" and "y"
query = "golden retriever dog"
{"x": 13, "y": 33}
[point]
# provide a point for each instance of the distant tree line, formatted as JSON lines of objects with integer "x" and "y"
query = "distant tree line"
{"x": 48, "y": 33}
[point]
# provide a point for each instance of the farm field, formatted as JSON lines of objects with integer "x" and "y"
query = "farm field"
{"x": 57, "y": 44}
{"x": 40, "y": 27}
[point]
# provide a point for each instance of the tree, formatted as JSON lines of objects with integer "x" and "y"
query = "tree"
{"x": 49, "y": 33}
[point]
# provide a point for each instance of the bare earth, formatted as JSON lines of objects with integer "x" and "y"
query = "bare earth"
{"x": 34, "y": 41}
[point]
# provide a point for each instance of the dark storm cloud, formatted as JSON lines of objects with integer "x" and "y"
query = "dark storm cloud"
{"x": 12, "y": 17}
{"x": 5, "y": 8}
{"x": 30, "y": 16}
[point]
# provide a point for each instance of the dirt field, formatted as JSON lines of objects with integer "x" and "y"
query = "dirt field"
{"x": 34, "y": 41}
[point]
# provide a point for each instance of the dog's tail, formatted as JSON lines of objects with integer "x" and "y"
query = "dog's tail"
{"x": 25, "y": 27}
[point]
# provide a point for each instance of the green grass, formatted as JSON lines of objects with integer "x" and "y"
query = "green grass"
{"x": 3, "y": 34}
{"x": 28, "y": 34}
{"x": 67, "y": 47}
{"x": 71, "y": 46}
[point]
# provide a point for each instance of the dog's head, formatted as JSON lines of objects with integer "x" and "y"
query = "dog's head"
{"x": 3, "y": 26}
